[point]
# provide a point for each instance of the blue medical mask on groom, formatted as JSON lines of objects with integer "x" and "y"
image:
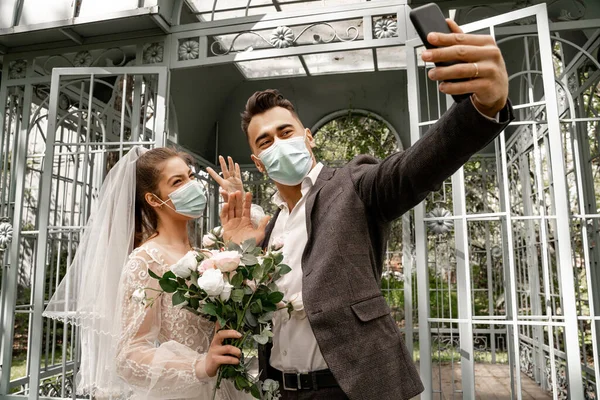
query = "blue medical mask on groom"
{"x": 287, "y": 161}
{"x": 189, "y": 200}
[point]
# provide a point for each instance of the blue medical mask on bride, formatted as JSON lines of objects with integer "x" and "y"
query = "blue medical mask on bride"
{"x": 189, "y": 200}
{"x": 287, "y": 161}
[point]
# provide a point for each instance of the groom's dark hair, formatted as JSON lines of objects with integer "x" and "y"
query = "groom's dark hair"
{"x": 263, "y": 101}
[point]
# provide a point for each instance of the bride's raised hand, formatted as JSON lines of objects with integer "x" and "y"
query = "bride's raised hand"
{"x": 236, "y": 222}
{"x": 231, "y": 181}
{"x": 220, "y": 354}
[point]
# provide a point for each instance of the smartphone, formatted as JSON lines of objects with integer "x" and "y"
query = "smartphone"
{"x": 429, "y": 18}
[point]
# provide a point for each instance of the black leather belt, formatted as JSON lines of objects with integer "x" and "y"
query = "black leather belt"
{"x": 303, "y": 381}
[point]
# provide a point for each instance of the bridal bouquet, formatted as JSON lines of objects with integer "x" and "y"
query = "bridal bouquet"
{"x": 235, "y": 286}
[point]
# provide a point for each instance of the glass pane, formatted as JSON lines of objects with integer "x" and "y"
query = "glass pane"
{"x": 391, "y": 58}
{"x": 340, "y": 62}
{"x": 283, "y": 66}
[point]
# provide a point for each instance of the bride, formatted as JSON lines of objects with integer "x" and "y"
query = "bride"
{"x": 135, "y": 344}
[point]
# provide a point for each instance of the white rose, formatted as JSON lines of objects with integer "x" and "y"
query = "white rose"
{"x": 184, "y": 267}
{"x": 139, "y": 296}
{"x": 256, "y": 214}
{"x": 208, "y": 240}
{"x": 226, "y": 293}
{"x": 297, "y": 306}
{"x": 212, "y": 282}
{"x": 227, "y": 261}
{"x": 277, "y": 244}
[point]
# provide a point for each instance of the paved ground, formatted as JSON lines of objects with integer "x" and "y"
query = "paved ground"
{"x": 491, "y": 382}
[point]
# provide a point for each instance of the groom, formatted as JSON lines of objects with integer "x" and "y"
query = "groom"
{"x": 334, "y": 224}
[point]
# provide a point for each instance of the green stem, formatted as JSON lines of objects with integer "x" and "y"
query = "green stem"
{"x": 217, "y": 383}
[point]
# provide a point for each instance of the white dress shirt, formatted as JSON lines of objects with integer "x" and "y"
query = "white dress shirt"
{"x": 295, "y": 347}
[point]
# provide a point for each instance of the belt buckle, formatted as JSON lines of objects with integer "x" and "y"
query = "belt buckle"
{"x": 299, "y": 382}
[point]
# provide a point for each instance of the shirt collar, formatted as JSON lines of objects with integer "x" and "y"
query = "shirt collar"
{"x": 307, "y": 183}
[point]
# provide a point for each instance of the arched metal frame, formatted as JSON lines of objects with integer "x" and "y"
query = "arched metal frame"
{"x": 163, "y": 51}
{"x": 341, "y": 113}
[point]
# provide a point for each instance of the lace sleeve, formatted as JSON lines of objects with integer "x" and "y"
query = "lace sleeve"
{"x": 166, "y": 370}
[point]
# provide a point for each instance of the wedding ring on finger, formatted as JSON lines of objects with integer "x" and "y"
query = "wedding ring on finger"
{"x": 476, "y": 74}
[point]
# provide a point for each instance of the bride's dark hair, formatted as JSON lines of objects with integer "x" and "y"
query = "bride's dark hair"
{"x": 148, "y": 169}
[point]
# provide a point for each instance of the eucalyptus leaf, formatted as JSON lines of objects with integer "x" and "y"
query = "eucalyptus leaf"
{"x": 284, "y": 269}
{"x": 258, "y": 272}
{"x": 278, "y": 257}
{"x": 266, "y": 317}
{"x": 268, "y": 264}
{"x": 261, "y": 339}
{"x": 231, "y": 246}
{"x": 250, "y": 319}
{"x": 237, "y": 280}
{"x": 237, "y": 295}
{"x": 249, "y": 245}
{"x": 249, "y": 259}
{"x": 256, "y": 307}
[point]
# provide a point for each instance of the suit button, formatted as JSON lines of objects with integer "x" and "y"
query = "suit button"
{"x": 285, "y": 353}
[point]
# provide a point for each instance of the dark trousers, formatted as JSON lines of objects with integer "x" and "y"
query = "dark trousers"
{"x": 327, "y": 393}
{"x": 321, "y": 394}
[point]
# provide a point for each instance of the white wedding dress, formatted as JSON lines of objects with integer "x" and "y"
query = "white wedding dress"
{"x": 160, "y": 344}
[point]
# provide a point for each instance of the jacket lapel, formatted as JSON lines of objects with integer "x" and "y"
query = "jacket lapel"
{"x": 322, "y": 179}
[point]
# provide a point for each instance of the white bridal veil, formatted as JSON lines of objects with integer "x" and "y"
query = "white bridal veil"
{"x": 88, "y": 295}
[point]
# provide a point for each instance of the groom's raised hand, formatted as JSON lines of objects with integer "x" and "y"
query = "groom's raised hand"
{"x": 482, "y": 64}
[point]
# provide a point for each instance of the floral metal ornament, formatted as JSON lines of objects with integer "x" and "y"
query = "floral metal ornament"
{"x": 17, "y": 69}
{"x": 496, "y": 252}
{"x": 385, "y": 28}
{"x": 439, "y": 227}
{"x": 153, "y": 53}
{"x": 82, "y": 59}
{"x": 63, "y": 102}
{"x": 282, "y": 37}
{"x": 6, "y": 235}
{"x": 189, "y": 50}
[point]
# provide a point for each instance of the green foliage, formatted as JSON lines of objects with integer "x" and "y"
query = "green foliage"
{"x": 344, "y": 138}
{"x": 248, "y": 307}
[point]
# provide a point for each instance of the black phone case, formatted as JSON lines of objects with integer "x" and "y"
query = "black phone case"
{"x": 429, "y": 18}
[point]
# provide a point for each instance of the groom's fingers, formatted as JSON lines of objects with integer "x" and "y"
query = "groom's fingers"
{"x": 247, "y": 205}
{"x": 231, "y": 206}
{"x": 224, "y": 214}
{"x": 238, "y": 204}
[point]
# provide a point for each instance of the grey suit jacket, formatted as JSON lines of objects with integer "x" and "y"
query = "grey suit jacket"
{"x": 348, "y": 214}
